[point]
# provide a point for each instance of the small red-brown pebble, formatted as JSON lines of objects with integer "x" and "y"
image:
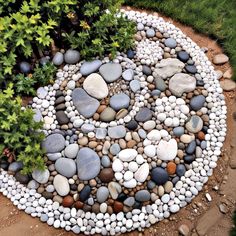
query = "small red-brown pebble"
{"x": 68, "y": 201}
{"x": 171, "y": 168}
{"x": 201, "y": 135}
{"x": 78, "y": 205}
{"x": 117, "y": 207}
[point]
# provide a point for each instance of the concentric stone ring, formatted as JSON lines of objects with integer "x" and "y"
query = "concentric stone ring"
{"x": 129, "y": 141}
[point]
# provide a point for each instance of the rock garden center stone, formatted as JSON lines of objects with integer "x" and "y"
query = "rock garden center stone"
{"x": 130, "y": 140}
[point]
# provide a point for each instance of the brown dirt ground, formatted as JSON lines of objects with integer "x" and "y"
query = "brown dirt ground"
{"x": 201, "y": 216}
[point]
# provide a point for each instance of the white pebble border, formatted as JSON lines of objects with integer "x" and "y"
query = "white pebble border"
{"x": 183, "y": 192}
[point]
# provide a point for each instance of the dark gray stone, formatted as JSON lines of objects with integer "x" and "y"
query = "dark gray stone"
{"x": 132, "y": 125}
{"x": 180, "y": 170}
{"x": 190, "y": 149}
{"x": 147, "y": 70}
{"x": 160, "y": 84}
{"x": 60, "y": 100}
{"x": 23, "y": 179}
{"x": 130, "y": 54}
{"x": 84, "y": 194}
{"x": 159, "y": 175}
{"x": 62, "y": 118}
{"x": 183, "y": 56}
{"x": 142, "y": 196}
{"x": 191, "y": 69}
{"x": 143, "y": 115}
{"x": 189, "y": 159}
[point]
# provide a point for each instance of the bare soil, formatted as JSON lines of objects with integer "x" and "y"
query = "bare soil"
{"x": 202, "y": 217}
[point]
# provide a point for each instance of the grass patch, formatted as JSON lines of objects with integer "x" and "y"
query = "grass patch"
{"x": 216, "y": 18}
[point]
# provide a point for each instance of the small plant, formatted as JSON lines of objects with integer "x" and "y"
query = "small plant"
{"x": 99, "y": 30}
{"x": 20, "y": 135}
{"x": 24, "y": 84}
{"x": 42, "y": 76}
{"x": 45, "y": 74}
{"x": 27, "y": 28}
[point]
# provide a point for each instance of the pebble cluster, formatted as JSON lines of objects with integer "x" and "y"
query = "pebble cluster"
{"x": 128, "y": 141}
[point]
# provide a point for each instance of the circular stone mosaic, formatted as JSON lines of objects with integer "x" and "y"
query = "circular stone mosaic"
{"x": 128, "y": 141}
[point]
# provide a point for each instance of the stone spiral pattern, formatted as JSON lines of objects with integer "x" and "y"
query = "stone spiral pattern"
{"x": 189, "y": 183}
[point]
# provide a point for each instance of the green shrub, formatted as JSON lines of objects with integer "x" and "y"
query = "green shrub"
{"x": 42, "y": 76}
{"x": 19, "y": 133}
{"x": 28, "y": 27}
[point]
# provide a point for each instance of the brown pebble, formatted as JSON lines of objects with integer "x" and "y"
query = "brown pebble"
{"x": 131, "y": 143}
{"x": 78, "y": 205}
{"x": 189, "y": 95}
{"x": 109, "y": 210}
{"x": 106, "y": 175}
{"x": 101, "y": 108}
{"x": 47, "y": 195}
{"x": 171, "y": 168}
{"x": 159, "y": 35}
{"x": 83, "y": 141}
{"x": 96, "y": 208}
{"x": 68, "y": 201}
{"x": 93, "y": 144}
{"x": 96, "y": 116}
{"x": 117, "y": 207}
{"x": 201, "y": 135}
{"x": 121, "y": 114}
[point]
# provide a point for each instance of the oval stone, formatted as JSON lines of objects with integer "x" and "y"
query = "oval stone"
{"x": 61, "y": 185}
{"x": 142, "y": 196}
{"x": 88, "y": 164}
{"x": 54, "y": 143}
{"x": 95, "y": 86}
{"x": 195, "y": 124}
{"x": 119, "y": 101}
{"x": 89, "y": 67}
{"x": 65, "y": 167}
{"x": 197, "y": 102}
{"x": 110, "y": 71}
{"x": 159, "y": 175}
